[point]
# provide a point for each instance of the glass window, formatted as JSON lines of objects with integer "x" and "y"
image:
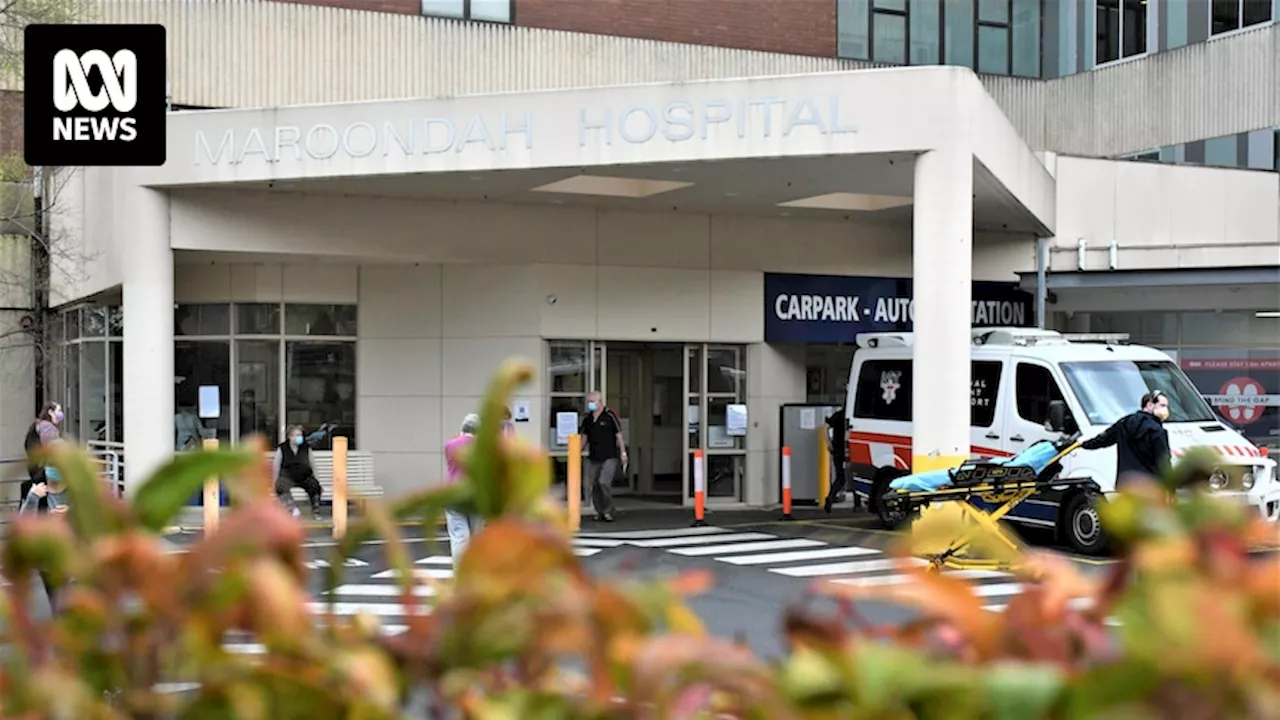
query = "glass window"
{"x": 1229, "y": 15}
{"x": 827, "y": 373}
{"x": 320, "y": 320}
{"x": 320, "y": 392}
{"x": 1035, "y": 388}
{"x": 854, "y": 40}
{"x": 258, "y": 377}
{"x": 718, "y": 437}
{"x": 207, "y": 320}
{"x": 117, "y": 391}
{"x": 258, "y": 319}
{"x": 993, "y": 11}
{"x": 71, "y": 404}
{"x": 1109, "y": 390}
{"x": 884, "y": 390}
{"x": 958, "y": 29}
{"x": 695, "y": 370}
{"x": 487, "y": 10}
{"x": 1229, "y": 327}
{"x": 198, "y": 364}
{"x": 71, "y": 320}
{"x": 1121, "y": 28}
{"x": 93, "y": 322}
{"x": 983, "y": 395}
{"x": 993, "y": 50}
{"x": 926, "y": 32}
{"x": 1221, "y": 151}
{"x": 889, "y": 37}
{"x": 723, "y": 475}
{"x": 576, "y": 404}
{"x": 1026, "y": 38}
{"x": 1143, "y": 328}
{"x": 93, "y": 388}
{"x": 567, "y": 367}
{"x": 491, "y": 10}
{"x": 115, "y": 321}
{"x": 725, "y": 374}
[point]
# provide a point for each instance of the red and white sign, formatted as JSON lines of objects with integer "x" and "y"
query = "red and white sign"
{"x": 1242, "y": 400}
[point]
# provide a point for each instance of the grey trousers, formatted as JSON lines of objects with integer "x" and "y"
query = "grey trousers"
{"x": 599, "y": 482}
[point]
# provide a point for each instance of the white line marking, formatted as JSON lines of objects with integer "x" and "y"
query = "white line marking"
{"x": 786, "y": 557}
{"x": 848, "y": 568}
{"x": 586, "y": 552}
{"x": 882, "y": 580}
{"x": 355, "y": 608}
{"x": 995, "y": 589}
{"x": 435, "y": 560}
{"x": 646, "y": 534}
{"x": 702, "y": 540}
{"x": 597, "y": 542}
{"x": 387, "y": 591}
{"x": 420, "y": 573}
{"x": 748, "y": 547}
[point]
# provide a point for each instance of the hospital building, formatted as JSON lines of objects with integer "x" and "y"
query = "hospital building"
{"x": 690, "y": 206}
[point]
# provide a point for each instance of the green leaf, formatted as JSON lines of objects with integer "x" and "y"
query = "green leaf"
{"x": 90, "y": 517}
{"x": 161, "y": 498}
{"x": 1022, "y": 692}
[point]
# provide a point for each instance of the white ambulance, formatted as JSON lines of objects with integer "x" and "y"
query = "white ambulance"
{"x": 1018, "y": 375}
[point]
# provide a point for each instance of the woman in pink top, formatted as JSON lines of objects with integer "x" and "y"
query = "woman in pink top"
{"x": 460, "y": 525}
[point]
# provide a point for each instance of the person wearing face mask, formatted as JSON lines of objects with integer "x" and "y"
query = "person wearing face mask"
{"x": 293, "y": 469}
{"x": 606, "y": 452}
{"x": 1142, "y": 443}
{"x": 42, "y": 433}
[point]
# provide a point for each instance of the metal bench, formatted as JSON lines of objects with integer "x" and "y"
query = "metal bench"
{"x": 361, "y": 486}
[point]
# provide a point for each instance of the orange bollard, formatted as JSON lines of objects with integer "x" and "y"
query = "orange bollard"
{"x": 339, "y": 486}
{"x": 212, "y": 494}
{"x": 824, "y": 466}
{"x": 573, "y": 483}
{"x": 786, "y": 483}
{"x": 699, "y": 491}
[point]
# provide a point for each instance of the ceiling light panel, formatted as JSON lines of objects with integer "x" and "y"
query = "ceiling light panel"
{"x": 611, "y": 186}
{"x": 849, "y": 202}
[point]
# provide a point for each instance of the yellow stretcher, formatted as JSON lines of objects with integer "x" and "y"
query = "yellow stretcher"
{"x": 1001, "y": 487}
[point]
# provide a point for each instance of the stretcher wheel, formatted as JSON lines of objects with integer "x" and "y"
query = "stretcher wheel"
{"x": 890, "y": 519}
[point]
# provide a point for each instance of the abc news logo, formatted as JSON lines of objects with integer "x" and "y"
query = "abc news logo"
{"x": 95, "y": 95}
{"x": 71, "y": 91}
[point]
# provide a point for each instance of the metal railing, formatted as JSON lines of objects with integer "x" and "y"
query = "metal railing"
{"x": 109, "y": 457}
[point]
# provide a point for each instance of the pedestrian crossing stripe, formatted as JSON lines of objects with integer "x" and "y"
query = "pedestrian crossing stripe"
{"x": 806, "y": 558}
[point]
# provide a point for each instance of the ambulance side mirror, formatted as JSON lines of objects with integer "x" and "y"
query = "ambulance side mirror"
{"x": 1057, "y": 416}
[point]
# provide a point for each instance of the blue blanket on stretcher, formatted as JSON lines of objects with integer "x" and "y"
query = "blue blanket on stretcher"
{"x": 1037, "y": 457}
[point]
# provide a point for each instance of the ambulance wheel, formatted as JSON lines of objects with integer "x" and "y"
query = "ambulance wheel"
{"x": 1081, "y": 525}
{"x": 889, "y": 519}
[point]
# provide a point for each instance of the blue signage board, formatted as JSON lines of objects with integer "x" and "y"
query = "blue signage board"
{"x": 837, "y": 308}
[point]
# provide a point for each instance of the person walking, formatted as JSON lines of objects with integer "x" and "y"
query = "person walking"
{"x": 1142, "y": 443}
{"x": 47, "y": 496}
{"x": 606, "y": 453}
{"x": 460, "y": 525}
{"x": 838, "y": 433}
{"x": 42, "y": 433}
{"x": 293, "y": 469}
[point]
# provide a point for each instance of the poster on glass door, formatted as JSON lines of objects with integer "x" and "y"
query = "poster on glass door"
{"x": 1245, "y": 392}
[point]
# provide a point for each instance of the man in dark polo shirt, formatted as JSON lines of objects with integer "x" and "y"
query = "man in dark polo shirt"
{"x": 602, "y": 432}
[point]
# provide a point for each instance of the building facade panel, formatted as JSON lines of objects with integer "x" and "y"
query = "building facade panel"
{"x": 800, "y": 27}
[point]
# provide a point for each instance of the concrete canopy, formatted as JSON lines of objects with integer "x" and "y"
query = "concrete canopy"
{"x": 818, "y": 144}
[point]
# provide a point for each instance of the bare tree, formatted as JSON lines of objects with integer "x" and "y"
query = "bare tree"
{"x": 31, "y": 250}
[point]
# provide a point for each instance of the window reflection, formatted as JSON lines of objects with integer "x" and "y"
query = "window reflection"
{"x": 258, "y": 376}
{"x": 196, "y": 364}
{"x": 320, "y": 320}
{"x": 320, "y": 391}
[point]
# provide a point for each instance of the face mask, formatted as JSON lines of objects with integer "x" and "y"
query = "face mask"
{"x": 297, "y": 440}
{"x": 592, "y": 406}
{"x": 57, "y": 417}
{"x": 51, "y": 474}
{"x": 1162, "y": 413}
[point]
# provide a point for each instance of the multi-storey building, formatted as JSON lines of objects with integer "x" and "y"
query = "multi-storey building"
{"x": 738, "y": 182}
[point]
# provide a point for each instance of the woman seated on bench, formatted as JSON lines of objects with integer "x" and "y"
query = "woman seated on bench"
{"x": 293, "y": 469}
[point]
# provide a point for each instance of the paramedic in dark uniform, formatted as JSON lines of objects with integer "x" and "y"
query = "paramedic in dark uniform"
{"x": 1142, "y": 443}
{"x": 838, "y": 429}
{"x": 606, "y": 449}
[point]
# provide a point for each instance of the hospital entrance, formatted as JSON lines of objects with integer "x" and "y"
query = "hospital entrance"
{"x": 673, "y": 399}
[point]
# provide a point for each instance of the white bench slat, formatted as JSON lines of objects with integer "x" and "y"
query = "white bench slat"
{"x": 360, "y": 476}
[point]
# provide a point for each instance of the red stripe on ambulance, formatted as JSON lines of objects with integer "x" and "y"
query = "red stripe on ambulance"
{"x": 861, "y": 452}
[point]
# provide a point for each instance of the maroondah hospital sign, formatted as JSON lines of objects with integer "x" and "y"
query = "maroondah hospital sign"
{"x": 677, "y": 122}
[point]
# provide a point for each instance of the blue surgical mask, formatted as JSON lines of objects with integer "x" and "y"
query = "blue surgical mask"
{"x": 297, "y": 440}
{"x": 592, "y": 406}
{"x": 51, "y": 474}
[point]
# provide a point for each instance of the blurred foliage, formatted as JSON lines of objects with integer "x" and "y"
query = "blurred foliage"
{"x": 524, "y": 633}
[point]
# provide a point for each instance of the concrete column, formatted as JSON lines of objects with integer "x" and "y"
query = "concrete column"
{"x": 147, "y": 268}
{"x": 942, "y": 266}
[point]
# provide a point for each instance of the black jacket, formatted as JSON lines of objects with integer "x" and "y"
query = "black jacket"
{"x": 1142, "y": 445}
{"x": 295, "y": 461}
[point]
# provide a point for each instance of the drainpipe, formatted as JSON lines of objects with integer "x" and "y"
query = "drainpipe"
{"x": 1042, "y": 288}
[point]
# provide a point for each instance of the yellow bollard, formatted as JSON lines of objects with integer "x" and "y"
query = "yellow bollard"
{"x": 573, "y": 483}
{"x": 212, "y": 494}
{"x": 824, "y": 464}
{"x": 339, "y": 487}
